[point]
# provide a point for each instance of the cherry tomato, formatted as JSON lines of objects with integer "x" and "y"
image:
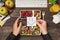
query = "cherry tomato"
{"x": 29, "y": 31}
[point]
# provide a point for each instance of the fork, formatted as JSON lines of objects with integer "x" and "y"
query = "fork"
{"x": 43, "y": 14}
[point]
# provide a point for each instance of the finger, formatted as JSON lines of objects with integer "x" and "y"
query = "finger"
{"x": 38, "y": 23}
{"x": 39, "y": 26}
{"x": 41, "y": 21}
{"x": 20, "y": 25}
{"x": 16, "y": 22}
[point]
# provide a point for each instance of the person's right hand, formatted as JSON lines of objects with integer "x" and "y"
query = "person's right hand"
{"x": 43, "y": 26}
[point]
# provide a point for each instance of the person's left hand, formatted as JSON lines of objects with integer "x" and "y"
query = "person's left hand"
{"x": 16, "y": 28}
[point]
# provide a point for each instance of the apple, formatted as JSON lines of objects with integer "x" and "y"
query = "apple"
{"x": 3, "y": 11}
{"x": 8, "y": 0}
{"x": 23, "y": 13}
{"x": 29, "y": 12}
{"x": 9, "y": 4}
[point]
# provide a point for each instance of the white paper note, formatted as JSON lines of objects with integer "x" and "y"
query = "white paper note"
{"x": 31, "y": 21}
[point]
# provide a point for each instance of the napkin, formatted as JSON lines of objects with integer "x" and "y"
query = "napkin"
{"x": 2, "y": 22}
{"x": 56, "y": 18}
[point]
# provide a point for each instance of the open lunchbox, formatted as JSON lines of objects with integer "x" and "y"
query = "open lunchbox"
{"x": 30, "y": 30}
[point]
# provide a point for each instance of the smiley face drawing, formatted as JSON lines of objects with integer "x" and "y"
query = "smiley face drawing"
{"x": 31, "y": 21}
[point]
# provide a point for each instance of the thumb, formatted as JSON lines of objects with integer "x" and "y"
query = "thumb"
{"x": 38, "y": 23}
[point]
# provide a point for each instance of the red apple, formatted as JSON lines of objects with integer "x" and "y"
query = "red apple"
{"x": 23, "y": 13}
{"x": 9, "y": 4}
{"x": 29, "y": 12}
{"x": 3, "y": 11}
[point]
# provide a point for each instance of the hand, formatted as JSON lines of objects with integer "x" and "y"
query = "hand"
{"x": 16, "y": 28}
{"x": 43, "y": 26}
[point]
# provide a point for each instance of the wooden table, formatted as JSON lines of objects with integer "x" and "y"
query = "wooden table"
{"x": 53, "y": 29}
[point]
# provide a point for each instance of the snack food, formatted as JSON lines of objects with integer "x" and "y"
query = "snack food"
{"x": 37, "y": 14}
{"x": 32, "y": 14}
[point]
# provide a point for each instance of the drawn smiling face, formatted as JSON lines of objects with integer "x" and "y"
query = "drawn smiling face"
{"x": 31, "y": 21}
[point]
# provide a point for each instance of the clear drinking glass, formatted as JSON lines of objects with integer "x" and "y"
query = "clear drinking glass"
{"x": 1, "y": 3}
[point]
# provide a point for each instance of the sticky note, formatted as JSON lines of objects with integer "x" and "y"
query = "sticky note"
{"x": 31, "y": 21}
